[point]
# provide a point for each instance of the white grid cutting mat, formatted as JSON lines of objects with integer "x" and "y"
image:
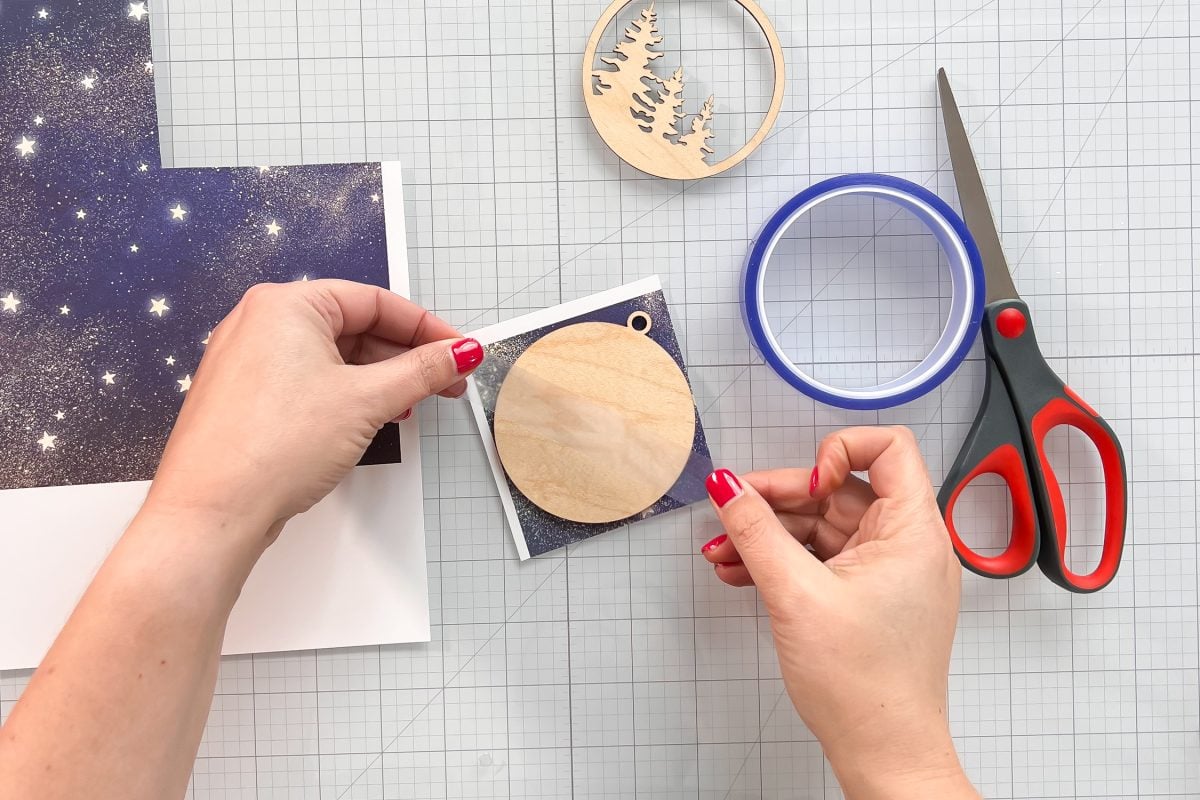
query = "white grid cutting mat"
{"x": 621, "y": 668}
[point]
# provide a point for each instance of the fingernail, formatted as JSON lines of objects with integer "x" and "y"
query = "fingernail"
{"x": 405, "y": 415}
{"x": 723, "y": 487}
{"x": 714, "y": 544}
{"x": 816, "y": 480}
{"x": 468, "y": 354}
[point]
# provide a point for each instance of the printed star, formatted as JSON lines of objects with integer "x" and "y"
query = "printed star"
{"x": 109, "y": 378}
{"x": 39, "y": 120}
{"x": 137, "y": 11}
{"x": 133, "y": 248}
{"x": 178, "y": 212}
{"x": 88, "y": 82}
{"x": 159, "y": 306}
{"x": 170, "y": 361}
{"x": 10, "y": 302}
{"x": 204, "y": 341}
{"x": 43, "y": 13}
{"x": 60, "y": 416}
{"x": 185, "y": 383}
{"x": 148, "y": 66}
{"x": 25, "y": 148}
{"x": 64, "y": 310}
{"x": 143, "y": 167}
{"x": 375, "y": 198}
{"x": 81, "y": 214}
{"x": 273, "y": 229}
{"x": 47, "y": 441}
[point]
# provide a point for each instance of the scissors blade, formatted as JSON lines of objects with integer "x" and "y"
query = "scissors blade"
{"x": 973, "y": 197}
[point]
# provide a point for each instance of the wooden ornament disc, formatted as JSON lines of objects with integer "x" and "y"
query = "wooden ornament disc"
{"x": 595, "y": 422}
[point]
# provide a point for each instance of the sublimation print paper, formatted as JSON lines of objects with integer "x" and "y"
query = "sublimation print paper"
{"x": 534, "y": 530}
{"x": 113, "y": 272}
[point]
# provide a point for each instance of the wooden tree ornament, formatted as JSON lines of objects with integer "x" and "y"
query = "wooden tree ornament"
{"x": 639, "y": 113}
{"x": 595, "y": 422}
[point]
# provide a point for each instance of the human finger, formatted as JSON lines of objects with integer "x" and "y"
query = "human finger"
{"x": 890, "y": 457}
{"x": 772, "y": 555}
{"x": 720, "y": 550}
{"x": 825, "y": 538}
{"x": 366, "y": 349}
{"x": 784, "y": 489}
{"x": 734, "y": 574}
{"x": 788, "y": 491}
{"x": 399, "y": 383}
{"x": 355, "y": 308}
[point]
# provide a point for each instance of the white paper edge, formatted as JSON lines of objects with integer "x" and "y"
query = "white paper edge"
{"x": 524, "y": 324}
{"x": 574, "y": 308}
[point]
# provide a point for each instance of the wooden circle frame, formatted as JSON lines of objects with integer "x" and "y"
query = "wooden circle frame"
{"x": 777, "y": 94}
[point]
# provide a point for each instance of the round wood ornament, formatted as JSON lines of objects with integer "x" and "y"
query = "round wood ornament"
{"x": 639, "y": 113}
{"x": 595, "y": 422}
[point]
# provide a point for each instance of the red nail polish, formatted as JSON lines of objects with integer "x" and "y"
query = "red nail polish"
{"x": 468, "y": 354}
{"x": 405, "y": 415}
{"x": 714, "y": 544}
{"x": 812, "y": 484}
{"x": 723, "y": 487}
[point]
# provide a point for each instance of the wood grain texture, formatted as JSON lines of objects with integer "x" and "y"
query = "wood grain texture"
{"x": 638, "y": 113}
{"x": 594, "y": 423}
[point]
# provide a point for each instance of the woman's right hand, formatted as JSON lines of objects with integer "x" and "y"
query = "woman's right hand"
{"x": 862, "y": 586}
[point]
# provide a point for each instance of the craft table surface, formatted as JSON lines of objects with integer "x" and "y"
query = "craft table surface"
{"x": 621, "y": 668}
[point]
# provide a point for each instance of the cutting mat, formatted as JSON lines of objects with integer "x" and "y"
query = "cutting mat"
{"x": 620, "y": 668}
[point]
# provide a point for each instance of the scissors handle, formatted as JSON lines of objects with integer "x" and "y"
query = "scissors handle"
{"x": 994, "y": 446}
{"x": 1024, "y": 401}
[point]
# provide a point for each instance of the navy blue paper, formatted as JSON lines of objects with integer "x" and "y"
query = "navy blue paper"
{"x": 113, "y": 270}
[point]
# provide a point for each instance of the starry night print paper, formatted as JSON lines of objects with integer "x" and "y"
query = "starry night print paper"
{"x": 113, "y": 270}
{"x": 535, "y": 531}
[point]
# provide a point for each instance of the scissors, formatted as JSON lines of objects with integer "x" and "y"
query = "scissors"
{"x": 1023, "y": 401}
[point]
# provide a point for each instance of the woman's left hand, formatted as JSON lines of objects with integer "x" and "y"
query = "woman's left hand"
{"x": 295, "y": 384}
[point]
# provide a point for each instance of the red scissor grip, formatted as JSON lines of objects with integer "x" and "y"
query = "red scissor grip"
{"x": 1007, "y": 462}
{"x": 1061, "y": 411}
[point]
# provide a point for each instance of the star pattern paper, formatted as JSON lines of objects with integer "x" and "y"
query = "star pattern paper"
{"x": 535, "y": 530}
{"x": 114, "y": 270}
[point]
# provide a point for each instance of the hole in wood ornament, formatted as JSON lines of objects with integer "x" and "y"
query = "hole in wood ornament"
{"x": 640, "y": 322}
{"x": 640, "y": 114}
{"x": 595, "y": 422}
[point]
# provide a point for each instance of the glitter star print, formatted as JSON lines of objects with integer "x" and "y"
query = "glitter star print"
{"x": 112, "y": 269}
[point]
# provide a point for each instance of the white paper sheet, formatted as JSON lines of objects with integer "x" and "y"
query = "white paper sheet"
{"x": 350, "y": 572}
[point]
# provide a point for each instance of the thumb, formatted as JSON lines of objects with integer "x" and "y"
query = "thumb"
{"x": 774, "y": 558}
{"x": 399, "y": 383}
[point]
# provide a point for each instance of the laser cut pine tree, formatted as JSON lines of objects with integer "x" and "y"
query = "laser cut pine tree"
{"x": 666, "y": 121}
{"x": 638, "y": 112}
{"x": 631, "y": 75}
{"x": 701, "y": 133}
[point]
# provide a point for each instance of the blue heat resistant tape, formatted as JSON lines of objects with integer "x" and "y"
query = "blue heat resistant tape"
{"x": 966, "y": 275}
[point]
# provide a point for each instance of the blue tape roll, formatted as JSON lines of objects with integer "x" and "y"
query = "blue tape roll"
{"x": 966, "y": 307}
